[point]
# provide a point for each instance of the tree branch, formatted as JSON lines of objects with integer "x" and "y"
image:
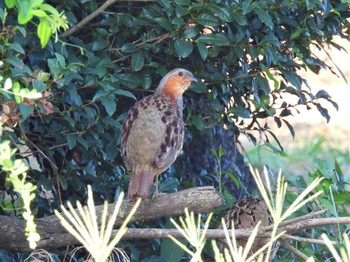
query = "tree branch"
{"x": 201, "y": 199}
{"x": 87, "y": 19}
{"x": 53, "y": 235}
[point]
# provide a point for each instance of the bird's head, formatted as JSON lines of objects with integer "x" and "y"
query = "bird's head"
{"x": 176, "y": 82}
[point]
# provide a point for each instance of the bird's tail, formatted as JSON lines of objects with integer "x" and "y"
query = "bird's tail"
{"x": 140, "y": 184}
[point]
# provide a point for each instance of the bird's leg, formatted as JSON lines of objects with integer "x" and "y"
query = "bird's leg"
{"x": 155, "y": 193}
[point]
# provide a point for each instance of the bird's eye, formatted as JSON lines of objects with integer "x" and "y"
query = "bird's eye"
{"x": 181, "y": 73}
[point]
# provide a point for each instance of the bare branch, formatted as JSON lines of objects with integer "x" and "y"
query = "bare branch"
{"x": 294, "y": 250}
{"x": 87, "y": 19}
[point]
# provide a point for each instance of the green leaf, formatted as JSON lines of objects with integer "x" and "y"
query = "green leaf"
{"x": 198, "y": 88}
{"x": 292, "y": 77}
{"x": 298, "y": 32}
{"x": 110, "y": 104}
{"x": 39, "y": 13}
{"x": 54, "y": 67}
{"x": 207, "y": 20}
{"x": 223, "y": 12}
{"x": 198, "y": 122}
{"x": 137, "y": 61}
{"x": 324, "y": 112}
{"x": 10, "y": 3}
{"x": 71, "y": 141}
{"x": 171, "y": 252}
{"x": 128, "y": 48}
{"x": 276, "y": 150}
{"x": 25, "y": 110}
{"x": 265, "y": 17}
{"x": 165, "y": 3}
{"x": 322, "y": 94}
{"x": 203, "y": 50}
{"x": 182, "y": 2}
{"x": 191, "y": 32}
{"x": 183, "y": 48}
{"x": 179, "y": 21}
{"x": 44, "y": 32}
{"x": 240, "y": 18}
{"x": 147, "y": 81}
{"x": 217, "y": 39}
{"x": 164, "y": 22}
{"x": 240, "y": 111}
{"x": 290, "y": 127}
{"x": 50, "y": 8}
{"x": 14, "y": 61}
{"x": 126, "y": 93}
{"x": 181, "y": 11}
{"x": 17, "y": 47}
{"x": 263, "y": 84}
{"x": 129, "y": 80}
{"x": 63, "y": 182}
{"x": 24, "y": 17}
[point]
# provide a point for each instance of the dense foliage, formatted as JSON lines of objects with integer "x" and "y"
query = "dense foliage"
{"x": 247, "y": 54}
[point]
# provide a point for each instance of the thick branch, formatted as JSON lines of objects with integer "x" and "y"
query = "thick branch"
{"x": 53, "y": 235}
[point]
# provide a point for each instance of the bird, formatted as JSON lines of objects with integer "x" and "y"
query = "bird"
{"x": 153, "y": 132}
{"x": 246, "y": 213}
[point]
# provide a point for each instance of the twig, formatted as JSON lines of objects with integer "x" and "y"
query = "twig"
{"x": 301, "y": 225}
{"x": 87, "y": 19}
{"x": 304, "y": 217}
{"x": 53, "y": 165}
{"x": 306, "y": 240}
{"x": 294, "y": 250}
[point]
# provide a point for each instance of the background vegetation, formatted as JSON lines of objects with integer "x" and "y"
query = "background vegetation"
{"x": 247, "y": 54}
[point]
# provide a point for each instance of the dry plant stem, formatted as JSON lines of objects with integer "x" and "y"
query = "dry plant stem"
{"x": 293, "y": 250}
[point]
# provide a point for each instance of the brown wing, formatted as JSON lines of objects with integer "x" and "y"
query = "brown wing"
{"x": 127, "y": 126}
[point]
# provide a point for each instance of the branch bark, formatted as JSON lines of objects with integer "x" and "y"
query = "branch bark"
{"x": 53, "y": 235}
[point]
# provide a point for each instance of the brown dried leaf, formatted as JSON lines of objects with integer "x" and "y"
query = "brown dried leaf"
{"x": 47, "y": 105}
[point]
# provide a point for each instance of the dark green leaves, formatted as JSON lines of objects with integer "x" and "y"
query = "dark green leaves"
{"x": 265, "y": 17}
{"x": 221, "y": 11}
{"x": 240, "y": 111}
{"x": 207, "y": 20}
{"x": 217, "y": 39}
{"x": 183, "y": 48}
{"x": 137, "y": 61}
{"x": 203, "y": 50}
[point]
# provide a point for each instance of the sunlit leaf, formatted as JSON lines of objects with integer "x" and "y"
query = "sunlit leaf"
{"x": 44, "y": 32}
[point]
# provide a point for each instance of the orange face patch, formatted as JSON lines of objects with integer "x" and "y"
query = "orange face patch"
{"x": 175, "y": 86}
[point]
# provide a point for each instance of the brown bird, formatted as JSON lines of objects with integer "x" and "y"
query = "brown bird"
{"x": 153, "y": 132}
{"x": 246, "y": 213}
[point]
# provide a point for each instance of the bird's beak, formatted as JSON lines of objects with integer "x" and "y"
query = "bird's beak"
{"x": 192, "y": 79}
